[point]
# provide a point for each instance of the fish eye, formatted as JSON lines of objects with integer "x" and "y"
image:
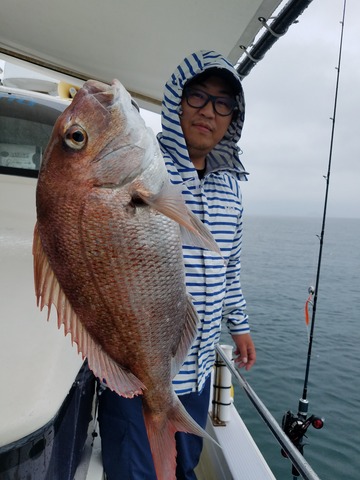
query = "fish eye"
{"x": 134, "y": 104}
{"x": 76, "y": 137}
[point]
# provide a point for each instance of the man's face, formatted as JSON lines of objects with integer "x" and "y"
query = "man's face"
{"x": 202, "y": 127}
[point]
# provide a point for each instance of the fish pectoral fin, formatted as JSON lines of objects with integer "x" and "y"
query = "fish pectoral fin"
{"x": 169, "y": 201}
{"x": 188, "y": 336}
{"x": 49, "y": 292}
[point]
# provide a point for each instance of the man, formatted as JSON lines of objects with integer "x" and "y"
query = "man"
{"x": 202, "y": 119}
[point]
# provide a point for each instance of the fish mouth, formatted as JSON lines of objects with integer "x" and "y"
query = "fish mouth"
{"x": 107, "y": 186}
{"x": 105, "y": 95}
{"x": 134, "y": 104}
{"x": 108, "y": 94}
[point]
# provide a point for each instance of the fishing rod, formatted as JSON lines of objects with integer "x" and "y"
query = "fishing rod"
{"x": 296, "y": 425}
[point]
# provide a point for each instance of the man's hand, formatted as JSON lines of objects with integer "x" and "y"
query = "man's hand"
{"x": 245, "y": 354}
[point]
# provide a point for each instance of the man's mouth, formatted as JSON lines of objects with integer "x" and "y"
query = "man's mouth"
{"x": 203, "y": 127}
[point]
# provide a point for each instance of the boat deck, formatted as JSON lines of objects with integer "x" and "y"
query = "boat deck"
{"x": 239, "y": 457}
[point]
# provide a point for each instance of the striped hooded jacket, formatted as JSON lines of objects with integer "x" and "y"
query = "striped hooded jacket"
{"x": 216, "y": 200}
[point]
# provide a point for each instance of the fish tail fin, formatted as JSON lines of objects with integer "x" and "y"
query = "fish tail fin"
{"x": 161, "y": 434}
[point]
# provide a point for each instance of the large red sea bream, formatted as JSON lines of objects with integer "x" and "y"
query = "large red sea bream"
{"x": 107, "y": 253}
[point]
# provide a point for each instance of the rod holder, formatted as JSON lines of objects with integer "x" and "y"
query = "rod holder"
{"x": 222, "y": 397}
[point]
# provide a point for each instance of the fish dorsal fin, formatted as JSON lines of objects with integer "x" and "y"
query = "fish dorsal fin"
{"x": 49, "y": 292}
{"x": 188, "y": 336}
{"x": 169, "y": 201}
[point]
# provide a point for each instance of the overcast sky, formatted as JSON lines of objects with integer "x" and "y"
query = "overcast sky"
{"x": 289, "y": 103}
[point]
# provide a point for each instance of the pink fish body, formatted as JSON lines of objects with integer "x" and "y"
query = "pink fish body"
{"x": 107, "y": 253}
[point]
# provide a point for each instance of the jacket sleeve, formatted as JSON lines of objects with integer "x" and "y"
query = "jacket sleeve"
{"x": 234, "y": 305}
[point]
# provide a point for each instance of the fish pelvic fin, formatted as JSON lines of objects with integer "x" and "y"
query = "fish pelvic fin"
{"x": 161, "y": 431}
{"x": 187, "y": 337}
{"x": 49, "y": 292}
{"x": 170, "y": 202}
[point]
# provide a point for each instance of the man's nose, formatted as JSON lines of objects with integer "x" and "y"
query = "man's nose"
{"x": 208, "y": 109}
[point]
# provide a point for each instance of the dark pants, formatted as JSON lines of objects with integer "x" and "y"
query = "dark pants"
{"x": 125, "y": 447}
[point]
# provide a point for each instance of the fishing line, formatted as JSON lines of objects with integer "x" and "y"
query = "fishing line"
{"x": 295, "y": 426}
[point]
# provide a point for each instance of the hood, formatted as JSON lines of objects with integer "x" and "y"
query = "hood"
{"x": 225, "y": 156}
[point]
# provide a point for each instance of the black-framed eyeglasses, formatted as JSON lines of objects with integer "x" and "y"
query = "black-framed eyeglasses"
{"x": 223, "y": 106}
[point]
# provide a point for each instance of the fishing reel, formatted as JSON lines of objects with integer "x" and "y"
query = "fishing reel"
{"x": 295, "y": 426}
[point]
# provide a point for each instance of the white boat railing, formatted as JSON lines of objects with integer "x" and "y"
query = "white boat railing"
{"x": 299, "y": 462}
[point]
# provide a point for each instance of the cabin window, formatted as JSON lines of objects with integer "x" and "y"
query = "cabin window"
{"x": 26, "y": 124}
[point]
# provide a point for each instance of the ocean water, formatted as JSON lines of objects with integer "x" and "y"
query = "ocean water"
{"x": 279, "y": 263}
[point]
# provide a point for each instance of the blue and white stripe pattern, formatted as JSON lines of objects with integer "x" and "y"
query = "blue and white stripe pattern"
{"x": 216, "y": 200}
